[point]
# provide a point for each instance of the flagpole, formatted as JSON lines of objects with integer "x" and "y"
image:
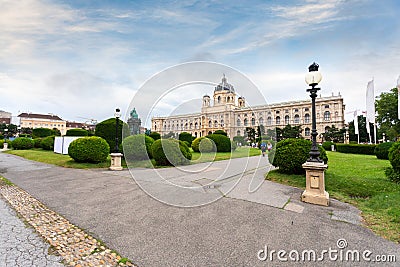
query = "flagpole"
{"x": 375, "y": 133}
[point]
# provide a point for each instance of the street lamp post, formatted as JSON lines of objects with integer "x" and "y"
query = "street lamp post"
{"x": 117, "y": 114}
{"x": 5, "y": 144}
{"x": 116, "y": 156}
{"x": 313, "y": 77}
{"x": 315, "y": 167}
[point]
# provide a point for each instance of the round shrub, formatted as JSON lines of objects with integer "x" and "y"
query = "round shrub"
{"x": 382, "y": 150}
{"x": 22, "y": 143}
{"x": 222, "y": 142}
{"x": 203, "y": 145}
{"x": 38, "y": 142}
{"x": 327, "y": 145}
{"x": 77, "y": 132}
{"x": 170, "y": 152}
{"x": 155, "y": 135}
{"x": 291, "y": 153}
{"x": 184, "y": 136}
{"x": 137, "y": 147}
{"x": 47, "y": 143}
{"x": 220, "y": 132}
{"x": 91, "y": 149}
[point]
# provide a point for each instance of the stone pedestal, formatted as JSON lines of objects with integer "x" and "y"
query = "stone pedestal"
{"x": 116, "y": 162}
{"x": 315, "y": 184}
{"x": 5, "y": 146}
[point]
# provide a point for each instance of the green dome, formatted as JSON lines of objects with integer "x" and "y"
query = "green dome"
{"x": 134, "y": 114}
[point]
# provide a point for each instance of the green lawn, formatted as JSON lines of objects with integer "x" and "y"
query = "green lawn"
{"x": 50, "y": 157}
{"x": 359, "y": 180}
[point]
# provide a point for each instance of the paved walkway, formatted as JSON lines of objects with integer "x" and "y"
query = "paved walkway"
{"x": 21, "y": 246}
{"x": 229, "y": 232}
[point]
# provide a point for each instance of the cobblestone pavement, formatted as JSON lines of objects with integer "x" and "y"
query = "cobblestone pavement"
{"x": 20, "y": 245}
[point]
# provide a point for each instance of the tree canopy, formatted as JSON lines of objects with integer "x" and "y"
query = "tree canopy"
{"x": 387, "y": 119}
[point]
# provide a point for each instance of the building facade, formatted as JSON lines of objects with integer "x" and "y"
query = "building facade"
{"x": 31, "y": 120}
{"x": 5, "y": 117}
{"x": 229, "y": 113}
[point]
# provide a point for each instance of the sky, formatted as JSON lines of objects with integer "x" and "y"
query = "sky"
{"x": 82, "y": 59}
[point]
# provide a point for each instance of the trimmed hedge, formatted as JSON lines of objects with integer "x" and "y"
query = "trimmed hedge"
{"x": 47, "y": 143}
{"x": 42, "y": 132}
{"x": 91, "y": 149}
{"x": 290, "y": 154}
{"x": 106, "y": 130}
{"x": 327, "y": 145}
{"x": 170, "y": 152}
{"x": 137, "y": 147}
{"x": 393, "y": 173}
{"x": 203, "y": 145}
{"x": 22, "y": 143}
{"x": 356, "y": 149}
{"x": 77, "y": 132}
{"x": 184, "y": 136}
{"x": 222, "y": 142}
{"x": 382, "y": 150}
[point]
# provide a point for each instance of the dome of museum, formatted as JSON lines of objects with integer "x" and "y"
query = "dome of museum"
{"x": 225, "y": 86}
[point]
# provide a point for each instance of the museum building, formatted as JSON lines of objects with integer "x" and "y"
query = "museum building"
{"x": 230, "y": 113}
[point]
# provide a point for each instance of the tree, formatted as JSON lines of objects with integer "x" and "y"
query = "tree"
{"x": 185, "y": 136}
{"x": 334, "y": 134}
{"x": 387, "y": 119}
{"x": 251, "y": 134}
{"x": 106, "y": 130}
{"x": 291, "y": 131}
{"x": 362, "y": 130}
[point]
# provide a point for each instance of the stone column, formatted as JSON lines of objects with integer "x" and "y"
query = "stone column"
{"x": 315, "y": 184}
{"x": 116, "y": 162}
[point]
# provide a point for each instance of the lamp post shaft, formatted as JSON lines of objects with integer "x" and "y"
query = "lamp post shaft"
{"x": 314, "y": 152}
{"x": 116, "y": 149}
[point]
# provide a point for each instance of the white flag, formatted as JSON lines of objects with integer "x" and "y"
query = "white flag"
{"x": 370, "y": 103}
{"x": 355, "y": 122}
{"x": 398, "y": 97}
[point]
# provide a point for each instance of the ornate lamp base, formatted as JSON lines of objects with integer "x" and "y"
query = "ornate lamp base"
{"x": 116, "y": 162}
{"x": 315, "y": 184}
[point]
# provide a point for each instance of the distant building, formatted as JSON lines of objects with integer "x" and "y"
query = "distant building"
{"x": 5, "y": 117}
{"x": 134, "y": 123}
{"x": 231, "y": 115}
{"x": 32, "y": 120}
{"x": 80, "y": 125}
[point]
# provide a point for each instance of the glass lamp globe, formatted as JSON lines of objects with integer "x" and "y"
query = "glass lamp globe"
{"x": 313, "y": 77}
{"x": 117, "y": 113}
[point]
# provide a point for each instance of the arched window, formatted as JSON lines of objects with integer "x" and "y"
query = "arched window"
{"x": 253, "y": 121}
{"x": 307, "y": 132}
{"x": 261, "y": 121}
{"x": 215, "y": 124}
{"x": 219, "y": 99}
{"x": 191, "y": 125}
{"x": 327, "y": 116}
{"x": 287, "y": 119}
{"x": 228, "y": 99}
{"x": 269, "y": 121}
{"x": 296, "y": 118}
{"x": 186, "y": 126}
{"x": 307, "y": 118}
{"x": 245, "y": 122}
{"x": 238, "y": 122}
{"x": 209, "y": 124}
{"x": 222, "y": 123}
{"x": 238, "y": 133}
{"x": 336, "y": 114}
{"x": 278, "y": 120}
{"x": 196, "y": 125}
{"x": 327, "y": 128}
